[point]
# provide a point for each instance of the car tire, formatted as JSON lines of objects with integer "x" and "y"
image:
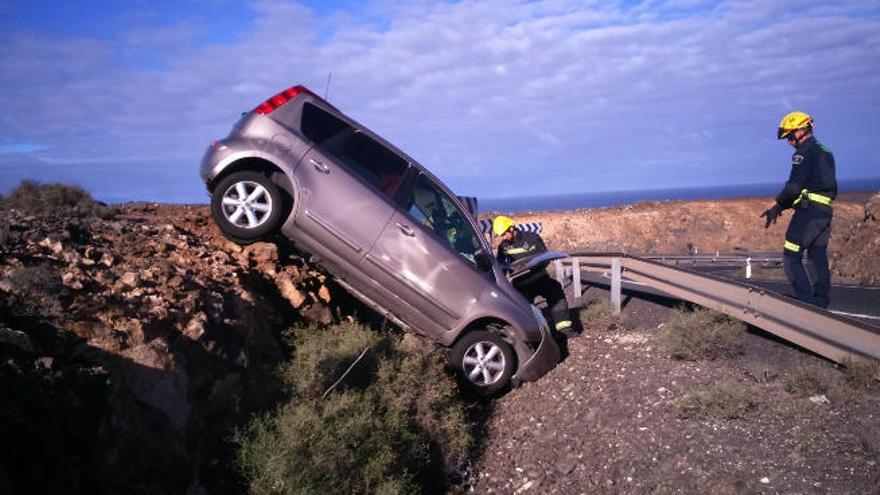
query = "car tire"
{"x": 247, "y": 207}
{"x": 483, "y": 362}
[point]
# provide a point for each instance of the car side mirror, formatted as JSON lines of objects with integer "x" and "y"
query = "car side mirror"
{"x": 484, "y": 261}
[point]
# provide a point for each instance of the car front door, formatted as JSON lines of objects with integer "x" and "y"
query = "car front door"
{"x": 426, "y": 255}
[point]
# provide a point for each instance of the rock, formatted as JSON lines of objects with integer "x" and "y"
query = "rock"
{"x": 156, "y": 378}
{"x": 324, "y": 294}
{"x": 54, "y": 246}
{"x": 130, "y": 279}
{"x": 105, "y": 277}
{"x": 195, "y": 328}
{"x": 289, "y": 292}
{"x": 566, "y": 466}
{"x": 72, "y": 280}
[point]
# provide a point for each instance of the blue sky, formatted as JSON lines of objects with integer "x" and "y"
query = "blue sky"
{"x": 498, "y": 97}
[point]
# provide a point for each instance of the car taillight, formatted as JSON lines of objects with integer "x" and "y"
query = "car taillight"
{"x": 281, "y": 98}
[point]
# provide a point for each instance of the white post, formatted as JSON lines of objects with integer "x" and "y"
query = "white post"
{"x": 576, "y": 277}
{"x": 615, "y": 285}
{"x": 749, "y": 267}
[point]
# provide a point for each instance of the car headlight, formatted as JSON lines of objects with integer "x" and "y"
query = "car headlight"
{"x": 539, "y": 317}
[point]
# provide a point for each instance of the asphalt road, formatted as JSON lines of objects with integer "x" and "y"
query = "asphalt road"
{"x": 858, "y": 302}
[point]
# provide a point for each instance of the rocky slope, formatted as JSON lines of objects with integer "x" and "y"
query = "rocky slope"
{"x": 704, "y": 226}
{"x": 861, "y": 247}
{"x": 132, "y": 345}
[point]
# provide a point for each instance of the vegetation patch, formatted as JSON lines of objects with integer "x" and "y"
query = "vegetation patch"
{"x": 726, "y": 400}
{"x": 806, "y": 381}
{"x": 861, "y": 373}
{"x": 394, "y": 424}
{"x": 599, "y": 315}
{"x": 703, "y": 334}
{"x": 58, "y": 200}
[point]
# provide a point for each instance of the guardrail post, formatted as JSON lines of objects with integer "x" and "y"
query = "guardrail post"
{"x": 560, "y": 272}
{"x": 576, "y": 277}
{"x": 748, "y": 267}
{"x": 615, "y": 285}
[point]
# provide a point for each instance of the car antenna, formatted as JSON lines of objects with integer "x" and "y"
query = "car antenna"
{"x": 327, "y": 89}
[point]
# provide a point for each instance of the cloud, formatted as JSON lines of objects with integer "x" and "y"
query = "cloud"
{"x": 503, "y": 92}
{"x": 21, "y": 148}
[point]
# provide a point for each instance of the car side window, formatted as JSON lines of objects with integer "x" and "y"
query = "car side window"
{"x": 435, "y": 209}
{"x": 318, "y": 125}
{"x": 374, "y": 163}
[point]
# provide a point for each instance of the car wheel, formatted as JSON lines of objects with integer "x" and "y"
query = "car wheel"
{"x": 247, "y": 206}
{"x": 483, "y": 361}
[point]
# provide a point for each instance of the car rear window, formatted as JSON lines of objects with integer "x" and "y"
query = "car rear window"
{"x": 320, "y": 126}
{"x": 373, "y": 162}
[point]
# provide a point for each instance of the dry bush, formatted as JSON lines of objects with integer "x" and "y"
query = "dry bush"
{"x": 808, "y": 380}
{"x": 599, "y": 315}
{"x": 726, "y": 400}
{"x": 63, "y": 200}
{"x": 396, "y": 423}
{"x": 703, "y": 334}
{"x": 861, "y": 373}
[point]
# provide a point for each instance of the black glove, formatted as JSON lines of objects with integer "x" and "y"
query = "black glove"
{"x": 772, "y": 214}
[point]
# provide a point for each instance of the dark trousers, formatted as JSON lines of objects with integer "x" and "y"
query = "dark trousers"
{"x": 808, "y": 232}
{"x": 548, "y": 288}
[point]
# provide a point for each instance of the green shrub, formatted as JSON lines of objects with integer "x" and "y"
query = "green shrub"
{"x": 703, "y": 334}
{"x": 321, "y": 356}
{"x": 727, "y": 400}
{"x": 395, "y": 424}
{"x": 41, "y": 200}
{"x": 600, "y": 315}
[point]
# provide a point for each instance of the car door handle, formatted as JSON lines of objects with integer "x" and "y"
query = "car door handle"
{"x": 324, "y": 169}
{"x": 406, "y": 229}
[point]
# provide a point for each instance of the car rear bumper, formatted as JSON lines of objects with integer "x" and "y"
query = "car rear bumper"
{"x": 545, "y": 358}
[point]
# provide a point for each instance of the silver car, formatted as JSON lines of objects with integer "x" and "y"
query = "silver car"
{"x": 386, "y": 229}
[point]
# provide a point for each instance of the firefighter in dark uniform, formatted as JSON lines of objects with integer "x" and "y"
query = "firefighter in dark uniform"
{"x": 516, "y": 244}
{"x": 810, "y": 190}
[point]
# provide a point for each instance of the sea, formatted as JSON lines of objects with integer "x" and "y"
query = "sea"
{"x": 575, "y": 201}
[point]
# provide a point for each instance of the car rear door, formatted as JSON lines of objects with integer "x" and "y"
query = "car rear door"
{"x": 426, "y": 256}
{"x": 346, "y": 186}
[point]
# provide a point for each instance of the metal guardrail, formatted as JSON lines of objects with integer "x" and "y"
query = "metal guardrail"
{"x": 832, "y": 336}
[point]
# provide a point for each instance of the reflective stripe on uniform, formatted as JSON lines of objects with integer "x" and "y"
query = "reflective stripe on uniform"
{"x": 792, "y": 246}
{"x": 563, "y": 324}
{"x": 517, "y": 250}
{"x": 814, "y": 197}
{"x": 818, "y": 198}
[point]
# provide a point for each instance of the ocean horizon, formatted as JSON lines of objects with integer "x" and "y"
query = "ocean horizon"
{"x": 557, "y": 202}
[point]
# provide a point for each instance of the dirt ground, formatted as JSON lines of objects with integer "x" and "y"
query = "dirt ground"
{"x": 607, "y": 420}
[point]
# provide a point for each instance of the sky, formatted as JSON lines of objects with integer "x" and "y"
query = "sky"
{"x": 496, "y": 97}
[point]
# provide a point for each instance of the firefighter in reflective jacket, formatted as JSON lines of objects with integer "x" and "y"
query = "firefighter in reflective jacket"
{"x": 810, "y": 190}
{"x": 516, "y": 244}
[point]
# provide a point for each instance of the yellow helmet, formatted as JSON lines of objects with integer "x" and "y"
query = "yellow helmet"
{"x": 501, "y": 224}
{"x": 793, "y": 121}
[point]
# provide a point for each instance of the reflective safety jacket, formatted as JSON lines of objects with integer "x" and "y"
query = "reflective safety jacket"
{"x": 812, "y": 179}
{"x": 522, "y": 245}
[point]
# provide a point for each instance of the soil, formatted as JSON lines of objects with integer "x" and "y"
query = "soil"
{"x": 608, "y": 420}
